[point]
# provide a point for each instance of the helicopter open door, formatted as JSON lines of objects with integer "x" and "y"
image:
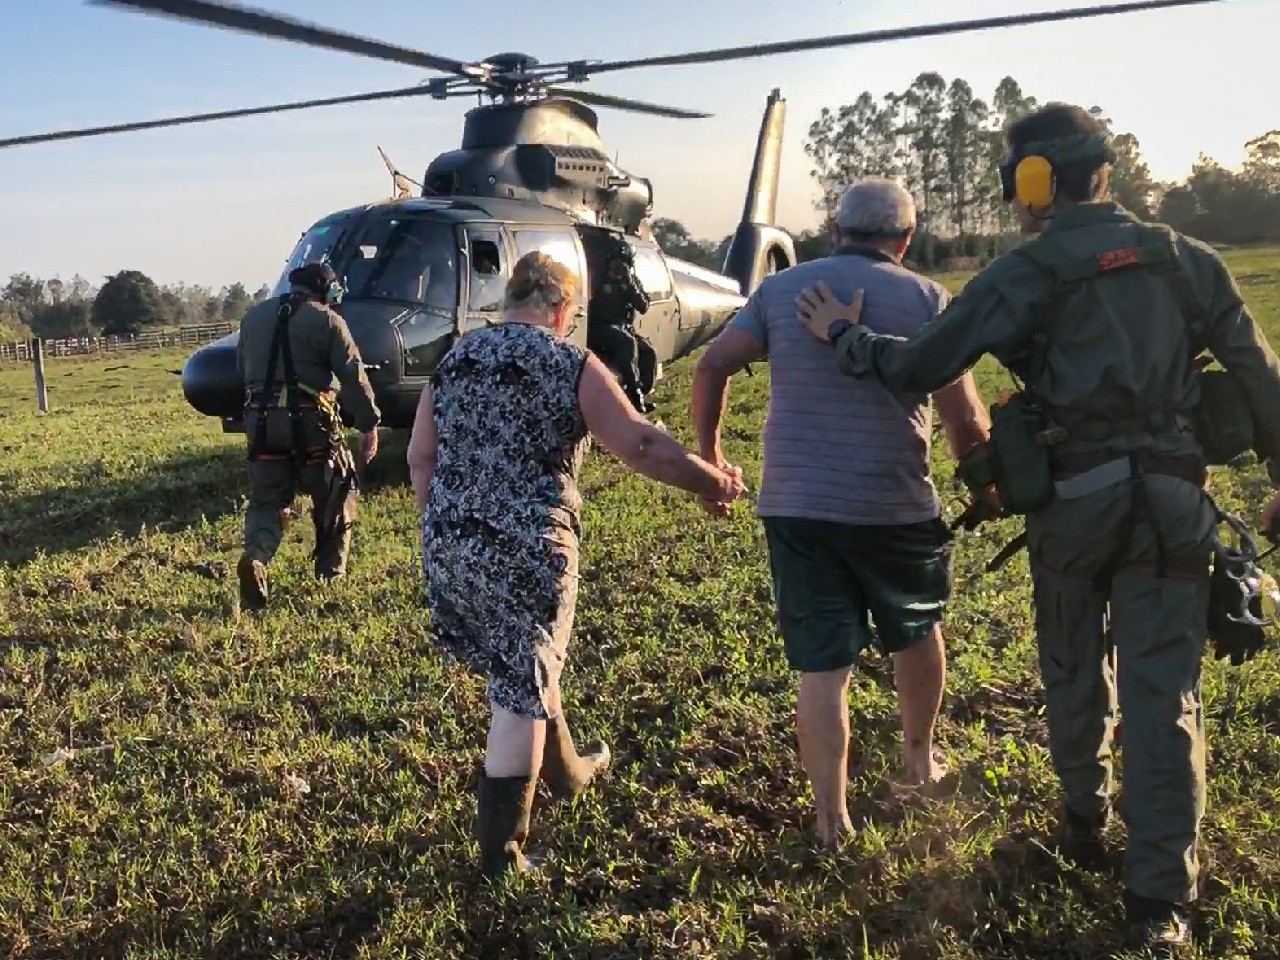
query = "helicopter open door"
{"x": 658, "y": 324}
{"x": 561, "y": 244}
{"x": 484, "y": 280}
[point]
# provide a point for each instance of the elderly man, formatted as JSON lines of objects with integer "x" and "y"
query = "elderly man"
{"x": 850, "y": 513}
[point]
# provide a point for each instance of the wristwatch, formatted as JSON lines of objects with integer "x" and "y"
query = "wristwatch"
{"x": 837, "y": 329}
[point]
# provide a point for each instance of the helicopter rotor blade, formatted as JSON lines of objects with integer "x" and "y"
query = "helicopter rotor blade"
{"x": 621, "y": 103}
{"x": 415, "y": 91}
{"x": 233, "y": 16}
{"x": 878, "y": 36}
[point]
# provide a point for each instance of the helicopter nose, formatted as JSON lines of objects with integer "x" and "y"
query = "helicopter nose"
{"x": 211, "y": 381}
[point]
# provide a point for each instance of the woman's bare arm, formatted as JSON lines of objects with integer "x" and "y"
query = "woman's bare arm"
{"x": 621, "y": 430}
{"x": 421, "y": 453}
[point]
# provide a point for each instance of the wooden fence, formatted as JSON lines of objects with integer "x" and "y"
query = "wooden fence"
{"x": 189, "y": 336}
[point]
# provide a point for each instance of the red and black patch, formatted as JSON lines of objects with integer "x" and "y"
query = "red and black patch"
{"x": 1121, "y": 257}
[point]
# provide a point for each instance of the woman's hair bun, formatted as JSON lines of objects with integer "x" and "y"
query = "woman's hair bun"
{"x": 539, "y": 278}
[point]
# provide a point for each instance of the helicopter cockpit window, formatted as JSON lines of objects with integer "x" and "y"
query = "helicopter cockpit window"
{"x": 316, "y": 244}
{"x": 652, "y": 273}
{"x": 408, "y": 260}
{"x": 488, "y": 283}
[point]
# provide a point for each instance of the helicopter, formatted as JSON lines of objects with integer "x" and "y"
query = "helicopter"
{"x": 531, "y": 173}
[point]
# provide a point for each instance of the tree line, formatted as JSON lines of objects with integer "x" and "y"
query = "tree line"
{"x": 943, "y": 143}
{"x": 126, "y": 303}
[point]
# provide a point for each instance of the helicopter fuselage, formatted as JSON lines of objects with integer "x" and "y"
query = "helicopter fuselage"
{"x": 421, "y": 272}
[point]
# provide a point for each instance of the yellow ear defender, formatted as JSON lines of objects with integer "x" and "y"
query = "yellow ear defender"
{"x": 1033, "y": 182}
{"x": 1028, "y": 174}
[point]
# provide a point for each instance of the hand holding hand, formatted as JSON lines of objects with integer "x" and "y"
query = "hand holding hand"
{"x": 818, "y": 308}
{"x": 731, "y": 488}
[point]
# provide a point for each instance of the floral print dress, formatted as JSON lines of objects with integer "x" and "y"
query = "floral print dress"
{"x": 501, "y": 527}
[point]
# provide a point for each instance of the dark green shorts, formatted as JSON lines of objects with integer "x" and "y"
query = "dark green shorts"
{"x": 831, "y": 581}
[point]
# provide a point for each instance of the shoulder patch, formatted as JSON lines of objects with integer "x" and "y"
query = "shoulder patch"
{"x": 1120, "y": 257}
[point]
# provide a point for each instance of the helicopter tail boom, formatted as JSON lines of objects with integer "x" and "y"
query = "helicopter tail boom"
{"x": 759, "y": 247}
{"x": 762, "y": 190}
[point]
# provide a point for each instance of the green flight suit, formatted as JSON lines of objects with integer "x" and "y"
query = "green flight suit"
{"x": 1117, "y": 375}
{"x": 325, "y": 359}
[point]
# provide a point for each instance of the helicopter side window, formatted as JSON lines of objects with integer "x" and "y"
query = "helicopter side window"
{"x": 488, "y": 279}
{"x": 407, "y": 260}
{"x": 651, "y": 270}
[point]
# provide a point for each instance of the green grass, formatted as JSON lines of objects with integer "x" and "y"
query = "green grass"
{"x": 300, "y": 785}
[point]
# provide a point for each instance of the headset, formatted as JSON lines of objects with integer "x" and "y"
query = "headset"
{"x": 1028, "y": 174}
{"x": 333, "y": 291}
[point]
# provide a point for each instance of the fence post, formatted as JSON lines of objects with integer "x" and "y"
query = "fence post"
{"x": 37, "y": 361}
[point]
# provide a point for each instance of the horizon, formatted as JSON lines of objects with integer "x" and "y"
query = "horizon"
{"x": 268, "y": 178}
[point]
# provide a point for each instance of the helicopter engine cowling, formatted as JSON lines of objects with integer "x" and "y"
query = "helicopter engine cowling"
{"x": 547, "y": 152}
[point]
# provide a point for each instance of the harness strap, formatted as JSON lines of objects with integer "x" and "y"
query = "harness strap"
{"x": 281, "y": 348}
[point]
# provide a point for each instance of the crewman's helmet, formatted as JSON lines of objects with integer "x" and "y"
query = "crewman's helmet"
{"x": 318, "y": 278}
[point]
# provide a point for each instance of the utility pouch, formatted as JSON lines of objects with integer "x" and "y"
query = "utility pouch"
{"x": 1020, "y": 456}
{"x": 276, "y": 433}
{"x": 1223, "y": 421}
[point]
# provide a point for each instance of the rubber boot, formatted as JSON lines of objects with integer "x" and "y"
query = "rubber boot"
{"x": 252, "y": 575}
{"x": 1157, "y": 926}
{"x": 564, "y": 770}
{"x": 503, "y": 806}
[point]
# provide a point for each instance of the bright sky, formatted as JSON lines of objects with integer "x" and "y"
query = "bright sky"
{"x": 220, "y": 202}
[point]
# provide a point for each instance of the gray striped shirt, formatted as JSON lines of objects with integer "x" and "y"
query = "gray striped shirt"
{"x": 838, "y": 448}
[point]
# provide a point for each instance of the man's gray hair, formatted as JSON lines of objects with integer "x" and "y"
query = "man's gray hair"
{"x": 875, "y": 207}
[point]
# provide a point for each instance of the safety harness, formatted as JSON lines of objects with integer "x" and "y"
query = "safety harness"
{"x": 1079, "y": 475}
{"x": 267, "y": 398}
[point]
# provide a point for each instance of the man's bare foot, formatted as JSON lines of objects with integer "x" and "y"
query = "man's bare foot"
{"x": 836, "y": 831}
{"x": 927, "y": 775}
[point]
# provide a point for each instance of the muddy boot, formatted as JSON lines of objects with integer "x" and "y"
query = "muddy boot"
{"x": 1163, "y": 929}
{"x": 252, "y": 575}
{"x": 1079, "y": 839}
{"x": 564, "y": 770}
{"x": 502, "y": 822}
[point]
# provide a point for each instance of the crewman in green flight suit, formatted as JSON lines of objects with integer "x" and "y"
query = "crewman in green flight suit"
{"x": 294, "y": 354}
{"x": 1100, "y": 317}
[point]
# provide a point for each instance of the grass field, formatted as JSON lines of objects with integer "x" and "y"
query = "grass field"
{"x": 178, "y": 781}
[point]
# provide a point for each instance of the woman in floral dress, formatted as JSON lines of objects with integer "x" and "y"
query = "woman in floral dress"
{"x": 494, "y": 457}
